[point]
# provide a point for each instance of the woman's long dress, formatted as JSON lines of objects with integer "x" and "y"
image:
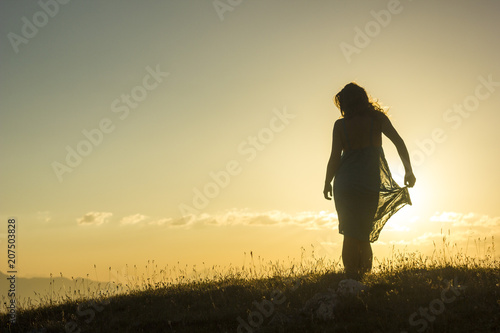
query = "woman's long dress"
{"x": 365, "y": 194}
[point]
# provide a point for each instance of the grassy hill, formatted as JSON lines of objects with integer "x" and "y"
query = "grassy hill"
{"x": 409, "y": 293}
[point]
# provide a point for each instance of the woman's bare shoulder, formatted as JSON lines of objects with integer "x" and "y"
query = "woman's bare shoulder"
{"x": 382, "y": 119}
{"x": 380, "y": 116}
{"x": 338, "y": 123}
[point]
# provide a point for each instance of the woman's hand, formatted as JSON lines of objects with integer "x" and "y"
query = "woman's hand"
{"x": 327, "y": 191}
{"x": 410, "y": 179}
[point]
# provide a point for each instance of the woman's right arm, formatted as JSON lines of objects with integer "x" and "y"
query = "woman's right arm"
{"x": 334, "y": 161}
{"x": 396, "y": 139}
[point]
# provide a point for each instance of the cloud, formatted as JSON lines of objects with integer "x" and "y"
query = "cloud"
{"x": 133, "y": 219}
{"x": 447, "y": 217}
{"x": 161, "y": 222}
{"x": 233, "y": 217}
{"x": 309, "y": 220}
{"x": 94, "y": 218}
{"x": 466, "y": 220}
{"x": 426, "y": 238}
{"x": 461, "y": 228}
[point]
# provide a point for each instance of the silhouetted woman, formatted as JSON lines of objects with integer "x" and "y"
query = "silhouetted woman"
{"x": 365, "y": 194}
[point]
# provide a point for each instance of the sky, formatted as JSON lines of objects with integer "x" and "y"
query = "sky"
{"x": 191, "y": 132}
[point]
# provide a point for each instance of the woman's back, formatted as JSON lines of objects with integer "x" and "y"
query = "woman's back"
{"x": 361, "y": 131}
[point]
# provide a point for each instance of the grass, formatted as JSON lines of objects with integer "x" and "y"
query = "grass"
{"x": 446, "y": 292}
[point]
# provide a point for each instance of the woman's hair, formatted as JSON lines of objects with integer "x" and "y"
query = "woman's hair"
{"x": 353, "y": 100}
